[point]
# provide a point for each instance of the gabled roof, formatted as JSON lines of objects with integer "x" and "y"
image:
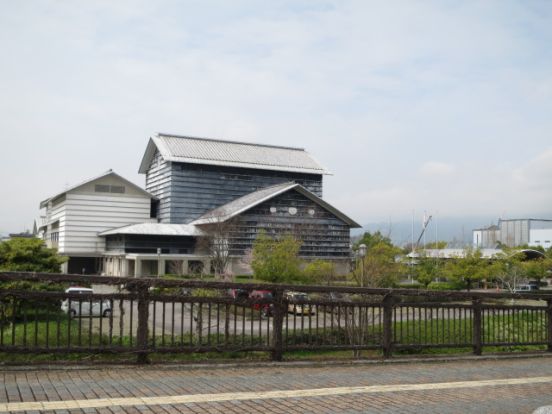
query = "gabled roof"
{"x": 210, "y": 151}
{"x": 156, "y": 229}
{"x": 44, "y": 203}
{"x": 248, "y": 201}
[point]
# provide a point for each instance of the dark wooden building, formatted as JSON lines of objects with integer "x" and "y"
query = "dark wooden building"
{"x": 275, "y": 189}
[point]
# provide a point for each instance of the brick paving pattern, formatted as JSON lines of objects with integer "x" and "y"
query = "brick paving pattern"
{"x": 86, "y": 384}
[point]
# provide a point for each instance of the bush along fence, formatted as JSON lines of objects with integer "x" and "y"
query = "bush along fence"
{"x": 142, "y": 316}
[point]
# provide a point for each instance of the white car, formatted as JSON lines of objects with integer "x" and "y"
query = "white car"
{"x": 82, "y": 307}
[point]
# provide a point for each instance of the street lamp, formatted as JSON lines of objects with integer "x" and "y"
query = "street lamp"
{"x": 362, "y": 254}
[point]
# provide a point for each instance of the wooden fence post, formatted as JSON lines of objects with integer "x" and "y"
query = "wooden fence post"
{"x": 477, "y": 326}
{"x": 549, "y": 324}
{"x": 277, "y": 325}
{"x": 142, "y": 330}
{"x": 387, "y": 340}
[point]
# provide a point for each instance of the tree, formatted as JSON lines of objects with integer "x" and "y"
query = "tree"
{"x": 379, "y": 267}
{"x": 537, "y": 269}
{"x": 463, "y": 272}
{"x": 276, "y": 260}
{"x": 29, "y": 255}
{"x": 436, "y": 245}
{"x": 216, "y": 242}
{"x": 319, "y": 271}
{"x": 427, "y": 270}
{"x": 370, "y": 240}
{"x": 511, "y": 268}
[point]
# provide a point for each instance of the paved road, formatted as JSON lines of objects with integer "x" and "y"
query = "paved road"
{"x": 480, "y": 386}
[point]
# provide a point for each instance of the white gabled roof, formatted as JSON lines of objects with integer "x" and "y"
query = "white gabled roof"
{"x": 156, "y": 229}
{"x": 229, "y": 154}
{"x": 248, "y": 201}
{"x": 44, "y": 203}
{"x": 453, "y": 253}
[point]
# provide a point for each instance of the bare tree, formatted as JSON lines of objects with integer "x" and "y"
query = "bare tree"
{"x": 216, "y": 242}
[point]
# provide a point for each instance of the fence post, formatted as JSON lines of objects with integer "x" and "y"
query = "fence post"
{"x": 549, "y": 324}
{"x": 387, "y": 340}
{"x": 277, "y": 325}
{"x": 142, "y": 330}
{"x": 477, "y": 326}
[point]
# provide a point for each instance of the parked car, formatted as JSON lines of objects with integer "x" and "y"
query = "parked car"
{"x": 526, "y": 288}
{"x": 265, "y": 308}
{"x": 238, "y": 293}
{"x": 82, "y": 308}
{"x": 296, "y": 306}
{"x": 339, "y": 302}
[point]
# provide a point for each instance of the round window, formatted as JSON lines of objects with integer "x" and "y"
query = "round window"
{"x": 292, "y": 211}
{"x": 273, "y": 210}
{"x": 311, "y": 211}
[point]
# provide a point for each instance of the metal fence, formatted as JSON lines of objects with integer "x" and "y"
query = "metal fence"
{"x": 144, "y": 316}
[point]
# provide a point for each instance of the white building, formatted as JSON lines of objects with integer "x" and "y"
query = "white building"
{"x": 515, "y": 232}
{"x": 74, "y": 218}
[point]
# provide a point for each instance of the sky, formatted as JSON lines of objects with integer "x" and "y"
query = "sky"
{"x": 437, "y": 106}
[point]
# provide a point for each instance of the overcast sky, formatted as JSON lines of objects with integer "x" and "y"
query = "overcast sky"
{"x": 443, "y": 106}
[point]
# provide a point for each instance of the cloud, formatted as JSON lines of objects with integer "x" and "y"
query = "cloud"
{"x": 371, "y": 89}
{"x": 435, "y": 168}
{"x": 536, "y": 175}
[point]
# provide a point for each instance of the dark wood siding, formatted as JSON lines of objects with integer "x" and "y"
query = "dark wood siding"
{"x": 322, "y": 234}
{"x": 158, "y": 183}
{"x": 196, "y": 189}
{"x": 134, "y": 243}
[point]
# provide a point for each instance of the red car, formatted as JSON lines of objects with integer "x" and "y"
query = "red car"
{"x": 265, "y": 308}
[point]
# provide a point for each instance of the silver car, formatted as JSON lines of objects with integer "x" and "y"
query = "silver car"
{"x": 85, "y": 308}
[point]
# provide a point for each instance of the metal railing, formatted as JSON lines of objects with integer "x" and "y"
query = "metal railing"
{"x": 144, "y": 316}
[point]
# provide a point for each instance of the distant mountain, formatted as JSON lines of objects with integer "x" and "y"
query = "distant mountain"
{"x": 455, "y": 230}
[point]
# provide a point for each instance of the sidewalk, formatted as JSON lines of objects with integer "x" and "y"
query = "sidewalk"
{"x": 518, "y": 385}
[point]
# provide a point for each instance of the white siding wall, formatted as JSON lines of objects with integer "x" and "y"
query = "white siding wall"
{"x": 55, "y": 214}
{"x": 86, "y": 215}
{"x": 540, "y": 237}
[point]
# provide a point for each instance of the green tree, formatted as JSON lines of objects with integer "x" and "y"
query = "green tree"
{"x": 436, "y": 245}
{"x": 319, "y": 271}
{"x": 370, "y": 240}
{"x": 463, "y": 272}
{"x": 507, "y": 269}
{"x": 276, "y": 260}
{"x": 29, "y": 255}
{"x": 537, "y": 269}
{"x": 379, "y": 267}
{"x": 427, "y": 270}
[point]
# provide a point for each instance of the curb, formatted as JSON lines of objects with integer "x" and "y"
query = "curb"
{"x": 269, "y": 364}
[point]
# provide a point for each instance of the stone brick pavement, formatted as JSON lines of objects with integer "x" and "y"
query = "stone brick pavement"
{"x": 131, "y": 383}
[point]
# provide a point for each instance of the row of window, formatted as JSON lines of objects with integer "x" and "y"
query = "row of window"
{"x": 107, "y": 188}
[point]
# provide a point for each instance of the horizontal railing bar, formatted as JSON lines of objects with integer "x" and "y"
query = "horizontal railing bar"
{"x": 513, "y": 343}
{"x": 202, "y": 349}
{"x": 24, "y": 294}
{"x": 76, "y": 349}
{"x": 433, "y": 305}
{"x": 330, "y": 347}
{"x": 444, "y": 345}
{"x": 132, "y": 283}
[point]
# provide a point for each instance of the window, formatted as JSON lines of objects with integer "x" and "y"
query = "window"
{"x": 119, "y": 189}
{"x": 101, "y": 188}
{"x": 107, "y": 188}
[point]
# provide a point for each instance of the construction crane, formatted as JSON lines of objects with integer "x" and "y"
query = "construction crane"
{"x": 426, "y": 223}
